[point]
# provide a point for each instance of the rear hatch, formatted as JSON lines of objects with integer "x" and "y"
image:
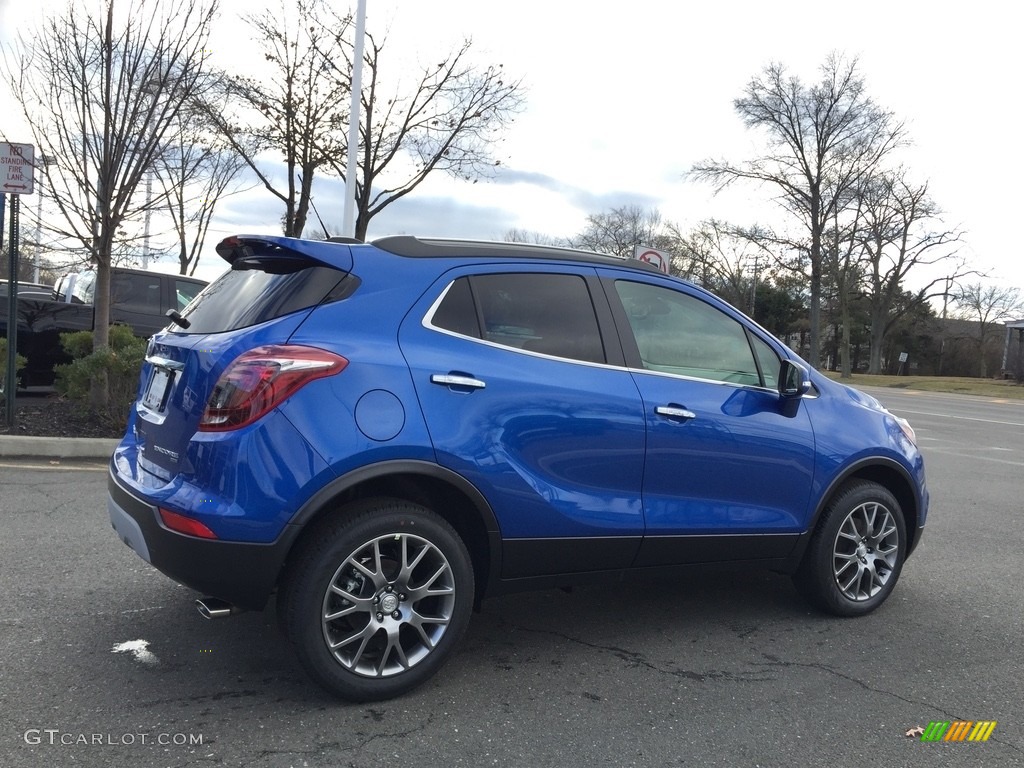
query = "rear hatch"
{"x": 272, "y": 286}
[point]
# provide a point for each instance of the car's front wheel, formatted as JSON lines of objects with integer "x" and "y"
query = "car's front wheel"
{"x": 377, "y": 598}
{"x": 856, "y": 554}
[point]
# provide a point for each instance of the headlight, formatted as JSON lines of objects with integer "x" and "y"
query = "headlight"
{"x": 907, "y": 429}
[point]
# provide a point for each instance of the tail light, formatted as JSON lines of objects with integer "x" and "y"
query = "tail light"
{"x": 262, "y": 378}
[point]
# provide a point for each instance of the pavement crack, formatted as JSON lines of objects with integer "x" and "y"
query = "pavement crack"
{"x": 637, "y": 660}
{"x": 774, "y": 661}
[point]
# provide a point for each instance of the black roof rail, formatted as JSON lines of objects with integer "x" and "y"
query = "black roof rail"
{"x": 436, "y": 247}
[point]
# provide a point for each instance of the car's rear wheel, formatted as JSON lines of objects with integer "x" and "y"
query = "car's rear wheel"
{"x": 856, "y": 555}
{"x": 377, "y": 599}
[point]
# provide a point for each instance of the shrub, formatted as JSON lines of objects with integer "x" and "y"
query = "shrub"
{"x": 19, "y": 363}
{"x": 121, "y": 361}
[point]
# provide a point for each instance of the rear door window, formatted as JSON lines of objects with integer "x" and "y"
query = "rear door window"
{"x": 550, "y": 314}
{"x": 130, "y": 292}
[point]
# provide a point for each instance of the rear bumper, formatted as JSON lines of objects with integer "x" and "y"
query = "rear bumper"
{"x": 241, "y": 573}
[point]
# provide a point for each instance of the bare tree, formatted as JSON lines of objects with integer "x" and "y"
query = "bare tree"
{"x": 620, "y": 230}
{"x": 534, "y": 238}
{"x": 988, "y": 306}
{"x": 843, "y": 270}
{"x": 823, "y": 139}
{"x": 721, "y": 258}
{"x": 449, "y": 121}
{"x": 896, "y": 237}
{"x": 195, "y": 171}
{"x": 299, "y": 110}
{"x": 99, "y": 93}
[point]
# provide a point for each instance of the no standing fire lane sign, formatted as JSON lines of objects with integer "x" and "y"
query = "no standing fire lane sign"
{"x": 17, "y": 168}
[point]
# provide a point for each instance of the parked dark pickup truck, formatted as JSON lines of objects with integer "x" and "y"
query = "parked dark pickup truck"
{"x": 138, "y": 299}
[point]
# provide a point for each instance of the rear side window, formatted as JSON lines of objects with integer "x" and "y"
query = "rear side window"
{"x": 243, "y": 297}
{"x": 550, "y": 314}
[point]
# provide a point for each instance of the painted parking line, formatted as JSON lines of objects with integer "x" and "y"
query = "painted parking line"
{"x": 58, "y": 466}
{"x": 961, "y": 454}
{"x": 961, "y": 418}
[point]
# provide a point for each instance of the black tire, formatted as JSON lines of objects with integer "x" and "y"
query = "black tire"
{"x": 390, "y": 585}
{"x": 856, "y": 554}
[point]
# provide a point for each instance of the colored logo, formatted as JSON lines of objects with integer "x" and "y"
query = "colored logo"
{"x": 959, "y": 730}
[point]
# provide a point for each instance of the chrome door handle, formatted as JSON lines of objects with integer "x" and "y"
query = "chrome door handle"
{"x": 453, "y": 380}
{"x": 675, "y": 412}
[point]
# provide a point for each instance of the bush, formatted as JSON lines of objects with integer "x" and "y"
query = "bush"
{"x": 121, "y": 362}
{"x": 19, "y": 363}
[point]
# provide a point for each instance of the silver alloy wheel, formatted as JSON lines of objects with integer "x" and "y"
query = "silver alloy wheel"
{"x": 865, "y": 551}
{"x": 388, "y": 605}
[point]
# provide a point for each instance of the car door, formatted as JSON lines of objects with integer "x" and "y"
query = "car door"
{"x": 512, "y": 371}
{"x": 729, "y": 462}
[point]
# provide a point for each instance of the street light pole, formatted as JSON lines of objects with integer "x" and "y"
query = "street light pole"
{"x": 149, "y": 213}
{"x": 43, "y": 161}
{"x": 348, "y": 225}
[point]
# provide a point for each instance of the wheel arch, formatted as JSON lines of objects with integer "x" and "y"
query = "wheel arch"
{"x": 444, "y": 492}
{"x": 889, "y": 474}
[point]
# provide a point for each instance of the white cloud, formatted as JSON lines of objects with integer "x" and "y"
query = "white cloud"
{"x": 623, "y": 97}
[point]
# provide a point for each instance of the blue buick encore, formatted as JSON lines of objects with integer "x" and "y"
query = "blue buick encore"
{"x": 381, "y": 434}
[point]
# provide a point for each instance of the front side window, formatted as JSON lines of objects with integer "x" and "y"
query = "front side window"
{"x": 185, "y": 291}
{"x": 768, "y": 360}
{"x": 550, "y": 314}
{"x": 680, "y": 334}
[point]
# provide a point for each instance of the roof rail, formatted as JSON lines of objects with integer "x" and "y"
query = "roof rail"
{"x": 436, "y": 247}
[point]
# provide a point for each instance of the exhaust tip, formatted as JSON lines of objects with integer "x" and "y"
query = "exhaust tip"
{"x": 215, "y": 608}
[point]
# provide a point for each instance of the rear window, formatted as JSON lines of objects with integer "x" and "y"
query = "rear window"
{"x": 258, "y": 293}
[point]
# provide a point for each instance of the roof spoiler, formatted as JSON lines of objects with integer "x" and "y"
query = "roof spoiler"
{"x": 238, "y": 250}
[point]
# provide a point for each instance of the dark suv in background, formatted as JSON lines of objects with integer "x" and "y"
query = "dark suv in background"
{"x": 384, "y": 433}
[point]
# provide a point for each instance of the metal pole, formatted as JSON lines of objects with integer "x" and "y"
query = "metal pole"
{"x": 348, "y": 225}
{"x": 1020, "y": 355}
{"x": 43, "y": 161}
{"x": 149, "y": 213}
{"x": 12, "y": 314}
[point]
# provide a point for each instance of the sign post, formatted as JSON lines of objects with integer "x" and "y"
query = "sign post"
{"x": 17, "y": 177}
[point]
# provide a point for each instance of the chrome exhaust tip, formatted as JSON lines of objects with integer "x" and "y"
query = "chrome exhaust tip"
{"x": 215, "y": 608}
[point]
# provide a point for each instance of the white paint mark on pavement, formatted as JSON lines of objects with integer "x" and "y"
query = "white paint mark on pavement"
{"x": 139, "y": 649}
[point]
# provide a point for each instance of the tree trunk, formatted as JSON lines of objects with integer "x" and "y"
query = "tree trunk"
{"x": 815, "y": 318}
{"x": 99, "y": 391}
{"x": 844, "y": 346}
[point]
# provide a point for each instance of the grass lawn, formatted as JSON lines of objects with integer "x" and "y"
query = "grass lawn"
{"x": 1009, "y": 390}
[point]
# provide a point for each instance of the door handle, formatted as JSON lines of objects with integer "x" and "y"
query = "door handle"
{"x": 675, "y": 412}
{"x": 454, "y": 380}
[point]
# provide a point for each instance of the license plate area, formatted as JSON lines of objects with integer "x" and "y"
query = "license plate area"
{"x": 158, "y": 389}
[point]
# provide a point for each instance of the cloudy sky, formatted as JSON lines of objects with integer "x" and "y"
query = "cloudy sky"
{"x": 623, "y": 97}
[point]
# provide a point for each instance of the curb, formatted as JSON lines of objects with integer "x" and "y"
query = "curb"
{"x": 18, "y": 446}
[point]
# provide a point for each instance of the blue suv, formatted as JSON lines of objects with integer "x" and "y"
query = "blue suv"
{"x": 382, "y": 434}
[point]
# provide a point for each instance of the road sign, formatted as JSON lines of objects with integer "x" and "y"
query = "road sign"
{"x": 17, "y": 168}
{"x": 660, "y": 259}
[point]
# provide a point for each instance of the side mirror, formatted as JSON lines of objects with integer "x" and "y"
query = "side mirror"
{"x": 794, "y": 381}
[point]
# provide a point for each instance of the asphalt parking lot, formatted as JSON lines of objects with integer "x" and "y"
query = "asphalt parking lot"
{"x": 104, "y": 661}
